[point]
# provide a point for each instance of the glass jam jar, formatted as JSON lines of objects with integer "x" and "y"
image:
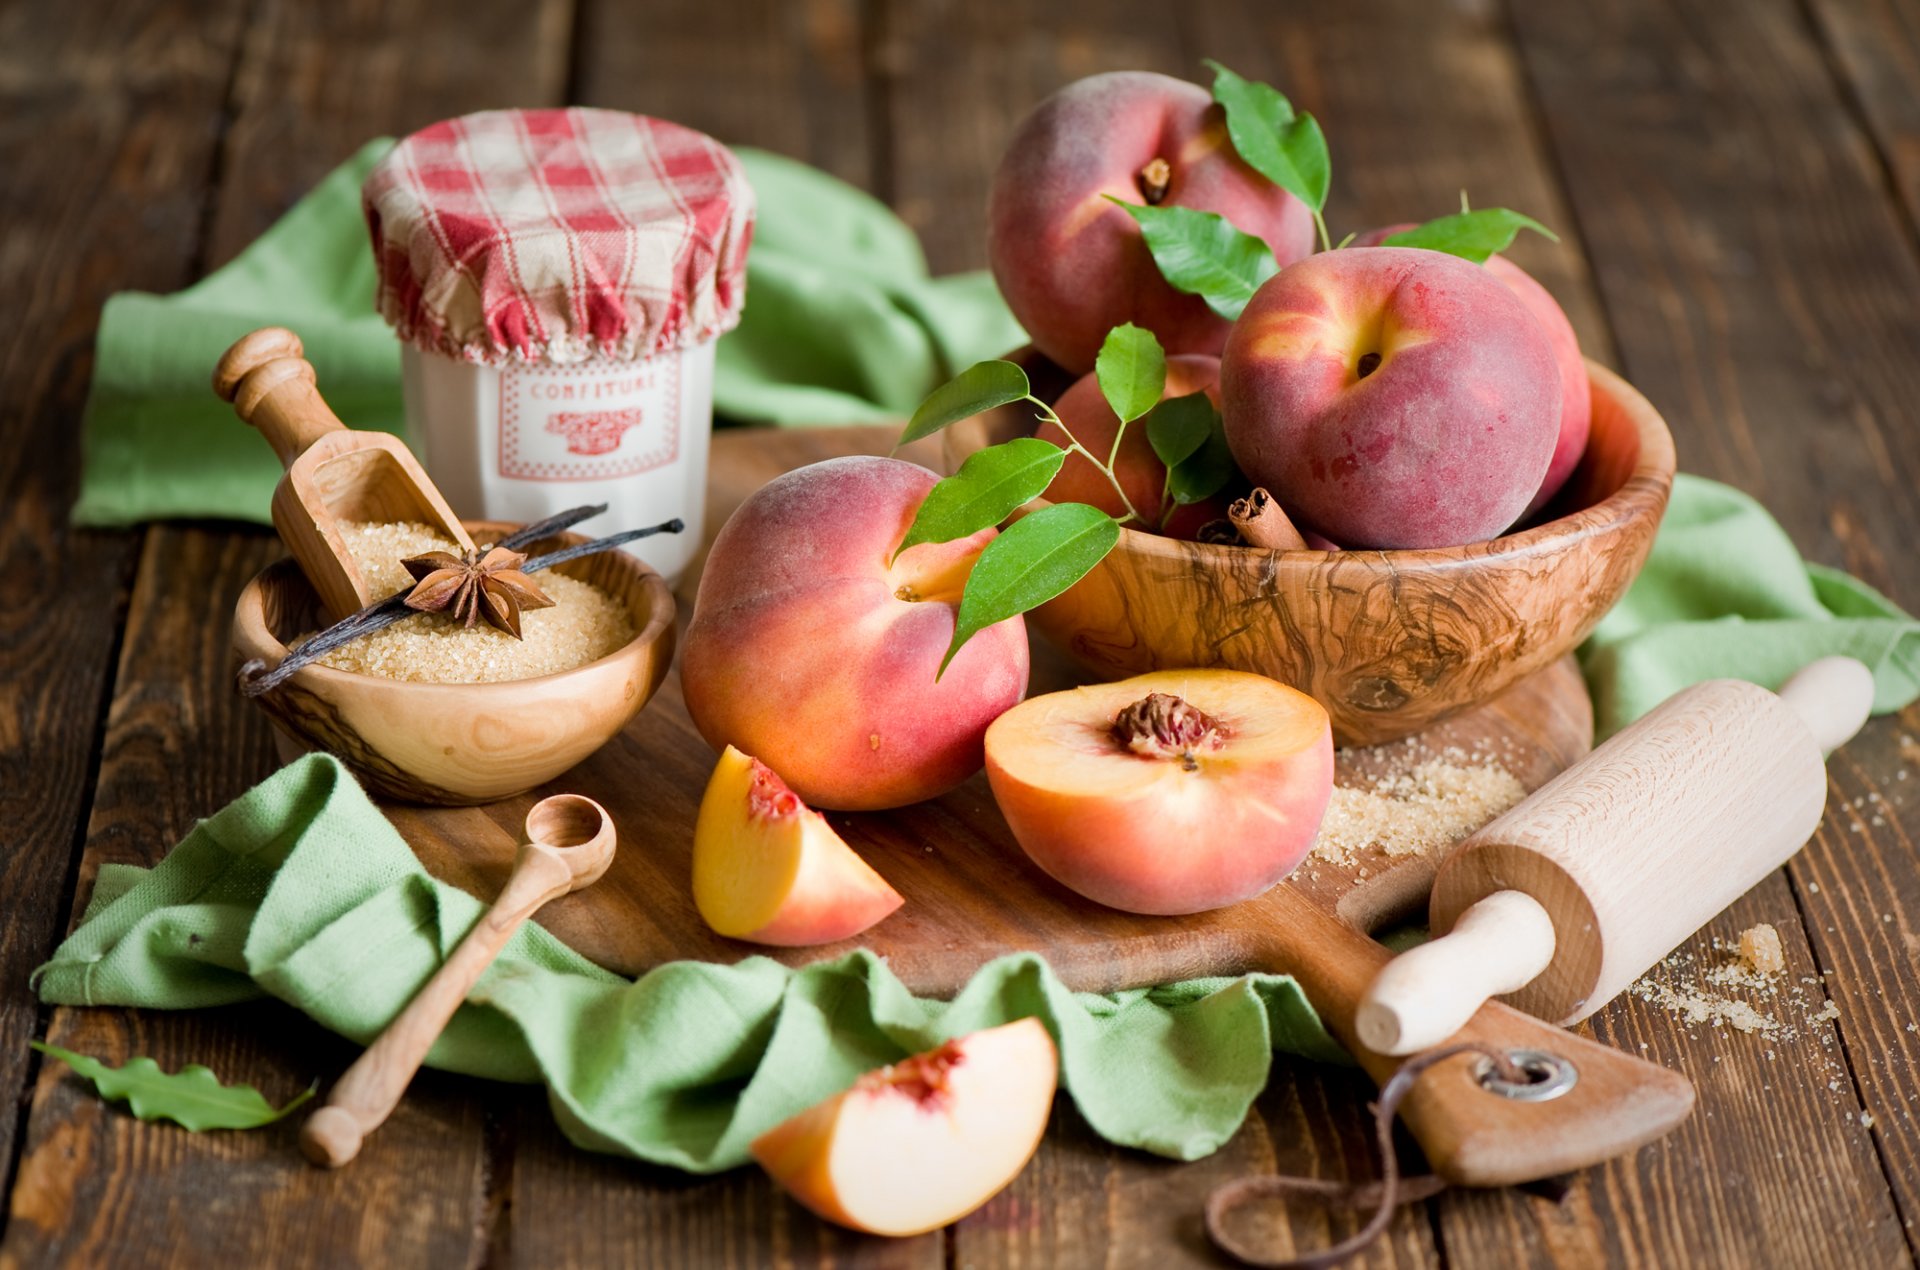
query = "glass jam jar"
{"x": 558, "y": 279}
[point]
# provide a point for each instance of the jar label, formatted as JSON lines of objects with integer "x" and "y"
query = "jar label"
{"x": 589, "y": 421}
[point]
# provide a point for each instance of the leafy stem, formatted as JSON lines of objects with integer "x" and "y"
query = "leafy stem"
{"x": 1106, "y": 468}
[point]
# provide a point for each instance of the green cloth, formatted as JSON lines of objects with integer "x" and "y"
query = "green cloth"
{"x": 302, "y": 890}
{"x": 1724, "y": 594}
{"x": 842, "y": 325}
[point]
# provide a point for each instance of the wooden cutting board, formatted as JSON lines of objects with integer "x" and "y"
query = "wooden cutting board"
{"x": 971, "y": 894}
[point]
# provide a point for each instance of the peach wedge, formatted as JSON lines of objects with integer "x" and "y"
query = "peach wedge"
{"x": 924, "y": 1142}
{"x": 769, "y": 869}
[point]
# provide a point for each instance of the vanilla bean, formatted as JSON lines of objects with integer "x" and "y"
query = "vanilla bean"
{"x": 559, "y": 522}
{"x": 255, "y": 679}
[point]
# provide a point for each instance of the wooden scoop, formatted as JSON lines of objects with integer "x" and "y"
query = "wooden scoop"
{"x": 569, "y": 845}
{"x": 1569, "y": 897}
{"x": 334, "y": 474}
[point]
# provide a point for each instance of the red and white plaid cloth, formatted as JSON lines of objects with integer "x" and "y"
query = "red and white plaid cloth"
{"x": 559, "y": 234}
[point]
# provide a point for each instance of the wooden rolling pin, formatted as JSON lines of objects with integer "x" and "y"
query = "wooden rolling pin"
{"x": 334, "y": 474}
{"x": 1563, "y": 901}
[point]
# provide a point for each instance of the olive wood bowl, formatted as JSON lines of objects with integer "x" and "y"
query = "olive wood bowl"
{"x": 458, "y": 744}
{"x": 1390, "y": 642}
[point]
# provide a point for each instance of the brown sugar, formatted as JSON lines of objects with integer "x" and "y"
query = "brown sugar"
{"x": 1760, "y": 950}
{"x": 1428, "y": 808}
{"x": 584, "y": 624}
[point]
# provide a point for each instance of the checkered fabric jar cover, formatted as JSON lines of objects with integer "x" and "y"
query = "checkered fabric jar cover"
{"x": 556, "y": 235}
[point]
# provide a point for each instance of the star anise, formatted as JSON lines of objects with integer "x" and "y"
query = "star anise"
{"x": 485, "y": 583}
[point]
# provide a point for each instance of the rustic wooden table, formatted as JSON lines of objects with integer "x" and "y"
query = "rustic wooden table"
{"x": 1736, "y": 187}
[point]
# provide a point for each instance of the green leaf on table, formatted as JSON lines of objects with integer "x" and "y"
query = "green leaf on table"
{"x": 1470, "y": 235}
{"x": 1179, "y": 425}
{"x": 1035, "y": 559}
{"x": 988, "y": 486}
{"x": 1188, "y": 436}
{"x": 1203, "y": 254}
{"x": 980, "y": 387}
{"x": 192, "y": 1097}
{"x": 1283, "y": 145}
{"x": 1131, "y": 371}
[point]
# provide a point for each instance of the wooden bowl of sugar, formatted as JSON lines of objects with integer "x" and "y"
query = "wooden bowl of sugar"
{"x": 461, "y": 743}
{"x": 1390, "y": 642}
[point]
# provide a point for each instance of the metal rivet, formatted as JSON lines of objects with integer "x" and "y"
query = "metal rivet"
{"x": 1551, "y": 1076}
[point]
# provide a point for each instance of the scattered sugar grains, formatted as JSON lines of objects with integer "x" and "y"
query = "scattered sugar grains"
{"x": 1756, "y": 964}
{"x": 584, "y": 624}
{"x": 1432, "y": 806}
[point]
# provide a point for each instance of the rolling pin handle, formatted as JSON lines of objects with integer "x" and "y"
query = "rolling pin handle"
{"x": 1428, "y": 993}
{"x": 1833, "y": 696}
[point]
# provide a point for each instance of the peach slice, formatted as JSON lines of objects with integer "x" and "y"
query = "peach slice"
{"x": 770, "y": 869}
{"x": 1173, "y": 792}
{"x": 924, "y": 1142}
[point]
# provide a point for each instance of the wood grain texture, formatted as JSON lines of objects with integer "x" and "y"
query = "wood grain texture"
{"x": 126, "y": 175}
{"x": 959, "y": 77}
{"x": 1760, "y": 286}
{"x": 1875, "y": 48}
{"x": 1390, "y": 642}
{"x": 786, "y": 75}
{"x": 316, "y": 81}
{"x": 1085, "y": 1202}
{"x": 105, "y": 154}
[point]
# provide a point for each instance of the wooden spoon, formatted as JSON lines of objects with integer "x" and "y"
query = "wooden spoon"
{"x": 569, "y": 845}
{"x": 334, "y": 474}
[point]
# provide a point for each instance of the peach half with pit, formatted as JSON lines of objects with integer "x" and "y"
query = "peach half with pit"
{"x": 1171, "y": 792}
{"x": 769, "y": 869}
{"x": 1086, "y": 417}
{"x": 815, "y": 649}
{"x": 1392, "y": 397}
{"x": 915, "y": 1146}
{"x": 1070, "y": 263}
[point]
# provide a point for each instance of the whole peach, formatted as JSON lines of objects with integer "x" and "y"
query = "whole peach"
{"x": 1084, "y": 410}
{"x": 1576, "y": 399}
{"x": 1073, "y": 266}
{"x": 1392, "y": 397}
{"x": 814, "y": 651}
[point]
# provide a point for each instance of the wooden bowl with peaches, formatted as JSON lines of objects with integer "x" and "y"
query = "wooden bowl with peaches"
{"x": 1390, "y": 641}
{"x": 461, "y": 743}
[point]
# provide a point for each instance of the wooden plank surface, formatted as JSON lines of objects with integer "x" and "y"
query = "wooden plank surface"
{"x": 959, "y": 78}
{"x": 1761, "y": 288}
{"x": 1735, "y": 187}
{"x": 792, "y": 78}
{"x": 105, "y": 160}
{"x": 1874, "y": 46}
{"x": 310, "y": 84}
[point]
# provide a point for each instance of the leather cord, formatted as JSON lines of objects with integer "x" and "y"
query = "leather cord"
{"x": 1383, "y": 1196}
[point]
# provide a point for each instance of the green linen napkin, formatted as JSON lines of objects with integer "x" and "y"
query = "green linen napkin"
{"x": 1724, "y": 594}
{"x": 301, "y": 890}
{"x": 842, "y": 325}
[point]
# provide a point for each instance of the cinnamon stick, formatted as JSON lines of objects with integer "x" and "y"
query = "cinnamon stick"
{"x": 1261, "y": 522}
